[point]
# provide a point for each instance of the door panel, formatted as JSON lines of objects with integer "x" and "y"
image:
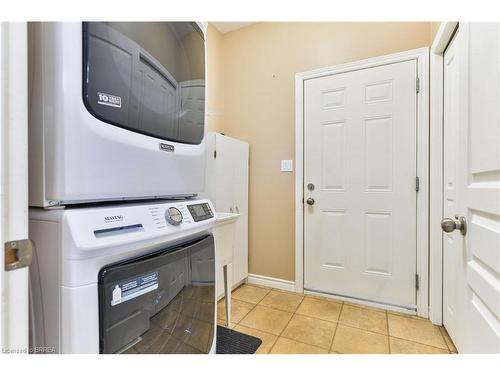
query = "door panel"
{"x": 472, "y": 189}
{"x": 479, "y": 166}
{"x": 360, "y": 154}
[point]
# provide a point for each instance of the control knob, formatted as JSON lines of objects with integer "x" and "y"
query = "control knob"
{"x": 173, "y": 216}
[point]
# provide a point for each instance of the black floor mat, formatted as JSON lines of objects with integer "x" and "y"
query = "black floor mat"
{"x": 233, "y": 342}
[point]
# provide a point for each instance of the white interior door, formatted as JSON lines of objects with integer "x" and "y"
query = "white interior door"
{"x": 224, "y": 174}
{"x": 360, "y": 155}
{"x": 451, "y": 241}
{"x": 240, "y": 186}
{"x": 471, "y": 285}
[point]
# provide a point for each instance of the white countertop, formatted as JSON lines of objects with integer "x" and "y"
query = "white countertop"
{"x": 226, "y": 217}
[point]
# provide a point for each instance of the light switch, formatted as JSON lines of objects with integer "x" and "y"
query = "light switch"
{"x": 286, "y": 165}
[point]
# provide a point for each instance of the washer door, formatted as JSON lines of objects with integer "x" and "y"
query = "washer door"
{"x": 160, "y": 303}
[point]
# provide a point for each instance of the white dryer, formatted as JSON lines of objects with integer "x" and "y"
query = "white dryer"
{"x": 116, "y": 111}
{"x": 134, "y": 278}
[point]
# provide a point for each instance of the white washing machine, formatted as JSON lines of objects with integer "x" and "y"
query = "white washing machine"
{"x": 129, "y": 278}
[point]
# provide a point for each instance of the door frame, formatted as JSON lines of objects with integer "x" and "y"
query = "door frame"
{"x": 442, "y": 39}
{"x": 421, "y": 55}
{"x": 14, "y": 316}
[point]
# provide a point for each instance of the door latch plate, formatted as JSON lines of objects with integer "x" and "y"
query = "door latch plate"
{"x": 17, "y": 254}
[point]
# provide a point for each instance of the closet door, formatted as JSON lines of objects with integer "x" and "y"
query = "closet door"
{"x": 240, "y": 194}
{"x": 224, "y": 174}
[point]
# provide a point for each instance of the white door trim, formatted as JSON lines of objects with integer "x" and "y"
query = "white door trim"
{"x": 443, "y": 37}
{"x": 421, "y": 55}
{"x": 14, "y": 327}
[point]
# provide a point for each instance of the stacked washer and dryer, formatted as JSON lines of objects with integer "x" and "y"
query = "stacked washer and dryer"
{"x": 124, "y": 253}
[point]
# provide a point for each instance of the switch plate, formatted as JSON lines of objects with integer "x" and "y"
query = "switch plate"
{"x": 286, "y": 165}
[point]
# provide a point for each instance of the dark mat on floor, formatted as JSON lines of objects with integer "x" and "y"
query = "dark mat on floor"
{"x": 234, "y": 342}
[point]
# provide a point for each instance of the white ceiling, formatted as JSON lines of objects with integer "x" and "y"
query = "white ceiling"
{"x": 225, "y": 27}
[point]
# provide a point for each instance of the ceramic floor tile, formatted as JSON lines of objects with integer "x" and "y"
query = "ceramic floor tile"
{"x": 417, "y": 330}
{"x": 267, "y": 319}
{"x": 282, "y": 300}
{"x": 250, "y": 293}
{"x": 349, "y": 340}
{"x": 268, "y": 339}
{"x": 449, "y": 342}
{"x": 287, "y": 346}
{"x": 238, "y": 310}
{"x": 320, "y": 308}
{"x": 310, "y": 331}
{"x": 399, "y": 346}
{"x": 358, "y": 317}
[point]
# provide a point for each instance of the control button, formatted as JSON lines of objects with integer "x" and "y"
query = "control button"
{"x": 173, "y": 216}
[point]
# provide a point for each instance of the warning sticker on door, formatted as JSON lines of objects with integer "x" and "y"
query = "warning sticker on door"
{"x": 133, "y": 288}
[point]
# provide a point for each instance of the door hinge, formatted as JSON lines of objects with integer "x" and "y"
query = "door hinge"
{"x": 417, "y": 184}
{"x": 215, "y": 154}
{"x": 418, "y": 85}
{"x": 17, "y": 254}
{"x": 417, "y": 281}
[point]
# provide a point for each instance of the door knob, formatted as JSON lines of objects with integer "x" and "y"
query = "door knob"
{"x": 310, "y": 201}
{"x": 459, "y": 223}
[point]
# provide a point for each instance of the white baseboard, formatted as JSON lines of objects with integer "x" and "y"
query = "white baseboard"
{"x": 271, "y": 282}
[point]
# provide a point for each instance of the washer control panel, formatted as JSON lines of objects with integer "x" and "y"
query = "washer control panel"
{"x": 200, "y": 211}
{"x": 125, "y": 223}
{"x": 177, "y": 213}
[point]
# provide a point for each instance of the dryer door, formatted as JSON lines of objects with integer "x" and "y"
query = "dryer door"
{"x": 161, "y": 303}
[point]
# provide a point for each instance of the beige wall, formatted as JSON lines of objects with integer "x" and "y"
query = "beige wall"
{"x": 259, "y": 63}
{"x": 434, "y": 26}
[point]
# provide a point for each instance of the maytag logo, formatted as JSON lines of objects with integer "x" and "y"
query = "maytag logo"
{"x": 166, "y": 147}
{"x": 111, "y": 219}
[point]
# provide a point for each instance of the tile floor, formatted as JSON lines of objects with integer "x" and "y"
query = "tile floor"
{"x": 292, "y": 323}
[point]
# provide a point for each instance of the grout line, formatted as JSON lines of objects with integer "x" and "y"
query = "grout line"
{"x": 286, "y": 325}
{"x": 275, "y": 308}
{"x": 314, "y": 317}
{"x": 305, "y": 343}
{"x": 418, "y": 342}
{"x": 336, "y": 327}
{"x": 441, "y": 328}
{"x": 388, "y": 335}
{"x": 362, "y": 329}
{"x": 442, "y": 336}
{"x": 244, "y": 316}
